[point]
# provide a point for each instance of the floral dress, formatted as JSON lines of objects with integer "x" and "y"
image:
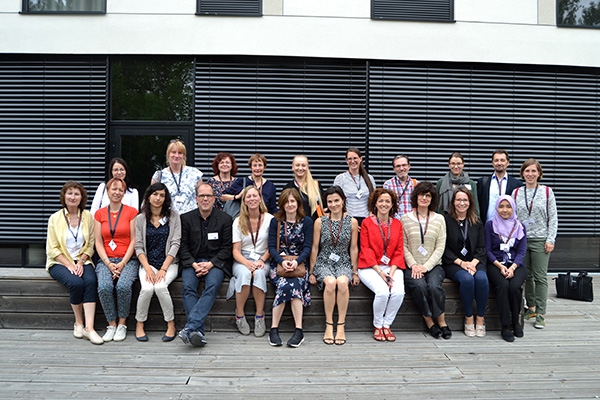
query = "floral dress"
{"x": 292, "y": 242}
{"x": 219, "y": 187}
{"x": 182, "y": 187}
{"x": 325, "y": 265}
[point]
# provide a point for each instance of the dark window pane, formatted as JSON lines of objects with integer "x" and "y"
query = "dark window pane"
{"x": 578, "y": 13}
{"x": 65, "y": 6}
{"x": 152, "y": 90}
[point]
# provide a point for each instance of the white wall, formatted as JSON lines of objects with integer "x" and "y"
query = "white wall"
{"x": 485, "y": 31}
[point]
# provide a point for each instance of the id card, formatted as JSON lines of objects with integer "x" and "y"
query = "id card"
{"x": 359, "y": 194}
{"x": 112, "y": 245}
{"x": 464, "y": 251}
{"x": 180, "y": 199}
{"x": 422, "y": 250}
{"x": 528, "y": 223}
{"x": 504, "y": 247}
{"x": 213, "y": 236}
{"x": 254, "y": 256}
{"x": 334, "y": 257}
{"x": 385, "y": 260}
{"x": 163, "y": 220}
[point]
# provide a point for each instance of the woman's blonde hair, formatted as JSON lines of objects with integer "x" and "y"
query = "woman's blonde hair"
{"x": 176, "y": 144}
{"x": 310, "y": 186}
{"x": 244, "y": 217}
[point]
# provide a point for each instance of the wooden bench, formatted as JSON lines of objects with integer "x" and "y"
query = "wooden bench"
{"x": 31, "y": 299}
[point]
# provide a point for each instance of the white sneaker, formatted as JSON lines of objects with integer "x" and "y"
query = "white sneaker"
{"x": 120, "y": 334}
{"x": 78, "y": 331}
{"x": 110, "y": 333}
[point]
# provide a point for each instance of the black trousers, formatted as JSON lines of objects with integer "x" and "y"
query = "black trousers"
{"x": 509, "y": 293}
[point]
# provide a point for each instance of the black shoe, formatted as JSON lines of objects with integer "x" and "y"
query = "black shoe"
{"x": 508, "y": 336}
{"x": 296, "y": 339}
{"x": 184, "y": 335}
{"x": 274, "y": 339}
{"x": 197, "y": 339}
{"x": 435, "y": 331}
{"x": 142, "y": 338}
{"x": 517, "y": 331}
{"x": 446, "y": 332}
{"x": 166, "y": 338}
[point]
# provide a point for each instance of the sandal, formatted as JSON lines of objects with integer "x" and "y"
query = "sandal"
{"x": 340, "y": 341}
{"x": 378, "y": 335}
{"x": 389, "y": 336}
{"x": 328, "y": 340}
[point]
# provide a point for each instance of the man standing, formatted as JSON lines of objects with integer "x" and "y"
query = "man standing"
{"x": 500, "y": 183}
{"x": 205, "y": 252}
{"x": 401, "y": 184}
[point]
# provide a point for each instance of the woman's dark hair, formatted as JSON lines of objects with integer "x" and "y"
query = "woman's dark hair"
{"x": 377, "y": 194}
{"x": 220, "y": 156}
{"x": 361, "y": 168}
{"x": 422, "y": 188}
{"x": 283, "y": 199}
{"x": 127, "y": 172}
{"x": 529, "y": 162}
{"x": 456, "y": 154}
{"x": 335, "y": 190}
{"x": 471, "y": 211}
{"x": 166, "y": 207}
{"x": 74, "y": 185}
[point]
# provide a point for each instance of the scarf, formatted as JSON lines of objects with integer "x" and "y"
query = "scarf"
{"x": 503, "y": 226}
{"x": 446, "y": 189}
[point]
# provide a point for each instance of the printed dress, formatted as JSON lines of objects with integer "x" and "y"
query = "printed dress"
{"x": 219, "y": 187}
{"x": 291, "y": 243}
{"x": 325, "y": 265}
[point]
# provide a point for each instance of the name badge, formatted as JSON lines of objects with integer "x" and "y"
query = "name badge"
{"x": 422, "y": 250}
{"x": 468, "y": 186}
{"x": 163, "y": 220}
{"x": 359, "y": 194}
{"x": 504, "y": 247}
{"x": 385, "y": 260}
{"x": 213, "y": 236}
{"x": 112, "y": 245}
{"x": 528, "y": 223}
{"x": 179, "y": 198}
{"x": 254, "y": 256}
{"x": 334, "y": 257}
{"x": 464, "y": 251}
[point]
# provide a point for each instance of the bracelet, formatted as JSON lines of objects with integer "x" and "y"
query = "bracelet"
{"x": 355, "y": 273}
{"x": 460, "y": 264}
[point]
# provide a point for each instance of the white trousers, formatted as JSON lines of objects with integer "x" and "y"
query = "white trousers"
{"x": 387, "y": 300}
{"x": 162, "y": 292}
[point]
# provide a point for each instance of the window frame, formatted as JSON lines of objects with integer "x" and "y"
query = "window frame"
{"x": 200, "y": 11}
{"x": 378, "y": 5}
{"x": 562, "y": 25}
{"x": 26, "y": 10}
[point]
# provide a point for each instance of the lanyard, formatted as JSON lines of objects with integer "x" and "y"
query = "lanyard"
{"x": 178, "y": 184}
{"x": 254, "y": 239}
{"x": 530, "y": 207}
{"x": 354, "y": 180}
{"x": 335, "y": 240}
{"x": 405, "y": 186}
{"x": 69, "y": 224}
{"x": 386, "y": 241}
{"x": 465, "y": 232}
{"x": 499, "y": 185}
{"x": 259, "y": 188}
{"x": 222, "y": 183}
{"x": 110, "y": 227}
{"x": 510, "y": 234}
{"x": 423, "y": 233}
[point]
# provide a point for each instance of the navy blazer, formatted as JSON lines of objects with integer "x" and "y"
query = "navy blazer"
{"x": 483, "y": 192}
{"x": 218, "y": 251}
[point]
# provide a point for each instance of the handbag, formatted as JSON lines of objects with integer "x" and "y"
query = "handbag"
{"x": 300, "y": 270}
{"x": 574, "y": 287}
{"x": 232, "y": 207}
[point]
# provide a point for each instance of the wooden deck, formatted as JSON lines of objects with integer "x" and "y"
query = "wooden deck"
{"x": 559, "y": 362}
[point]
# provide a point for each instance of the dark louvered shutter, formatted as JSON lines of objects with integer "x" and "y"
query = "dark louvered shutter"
{"x": 413, "y": 10}
{"x": 252, "y": 8}
{"x": 52, "y": 128}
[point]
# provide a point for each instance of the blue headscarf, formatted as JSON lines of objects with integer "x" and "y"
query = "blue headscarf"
{"x": 502, "y": 226}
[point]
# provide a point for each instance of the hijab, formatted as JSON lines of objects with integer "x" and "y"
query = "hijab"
{"x": 502, "y": 226}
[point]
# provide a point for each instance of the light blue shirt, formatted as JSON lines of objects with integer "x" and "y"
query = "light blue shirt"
{"x": 497, "y": 189}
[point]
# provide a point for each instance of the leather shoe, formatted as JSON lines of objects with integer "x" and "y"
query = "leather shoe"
{"x": 166, "y": 338}
{"x": 435, "y": 331}
{"x": 518, "y": 331}
{"x": 508, "y": 336}
{"x": 446, "y": 332}
{"x": 92, "y": 336}
{"x": 142, "y": 338}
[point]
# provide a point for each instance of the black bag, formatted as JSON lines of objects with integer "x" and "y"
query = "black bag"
{"x": 575, "y": 287}
{"x": 232, "y": 207}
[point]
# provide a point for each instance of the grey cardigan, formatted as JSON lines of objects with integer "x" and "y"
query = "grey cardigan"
{"x": 173, "y": 241}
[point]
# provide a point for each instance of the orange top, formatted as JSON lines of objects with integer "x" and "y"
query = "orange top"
{"x": 122, "y": 236}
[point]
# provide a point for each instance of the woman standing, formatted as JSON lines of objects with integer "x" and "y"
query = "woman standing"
{"x": 453, "y": 179}
{"x": 335, "y": 266}
{"x": 536, "y": 209}
{"x": 69, "y": 250}
{"x": 250, "y": 237}
{"x": 291, "y": 234}
{"x": 424, "y": 244}
{"x": 381, "y": 261}
{"x": 357, "y": 185}
{"x": 309, "y": 189}
{"x": 506, "y": 244}
{"x": 225, "y": 168}
{"x": 157, "y": 239}
{"x": 464, "y": 258}
{"x": 180, "y": 179}
{"x": 257, "y": 164}
{"x": 114, "y": 232}
{"x": 117, "y": 168}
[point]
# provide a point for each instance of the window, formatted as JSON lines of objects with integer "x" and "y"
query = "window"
{"x": 581, "y": 13}
{"x": 251, "y": 8}
{"x": 64, "y": 6}
{"x": 413, "y": 10}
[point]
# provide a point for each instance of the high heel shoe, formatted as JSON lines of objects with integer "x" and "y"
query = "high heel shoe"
{"x": 329, "y": 340}
{"x": 340, "y": 341}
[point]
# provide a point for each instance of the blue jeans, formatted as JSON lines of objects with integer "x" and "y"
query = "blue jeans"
{"x": 81, "y": 289}
{"x": 473, "y": 287}
{"x": 197, "y": 309}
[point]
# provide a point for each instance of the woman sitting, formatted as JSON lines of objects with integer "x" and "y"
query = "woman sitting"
{"x": 157, "y": 239}
{"x": 69, "y": 250}
{"x": 335, "y": 265}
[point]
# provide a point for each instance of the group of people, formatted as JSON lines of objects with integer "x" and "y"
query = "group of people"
{"x": 405, "y": 234}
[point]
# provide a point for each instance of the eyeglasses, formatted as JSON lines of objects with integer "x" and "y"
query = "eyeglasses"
{"x": 425, "y": 195}
{"x": 205, "y": 196}
{"x": 456, "y": 164}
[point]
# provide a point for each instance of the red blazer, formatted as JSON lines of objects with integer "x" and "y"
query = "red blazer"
{"x": 371, "y": 244}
